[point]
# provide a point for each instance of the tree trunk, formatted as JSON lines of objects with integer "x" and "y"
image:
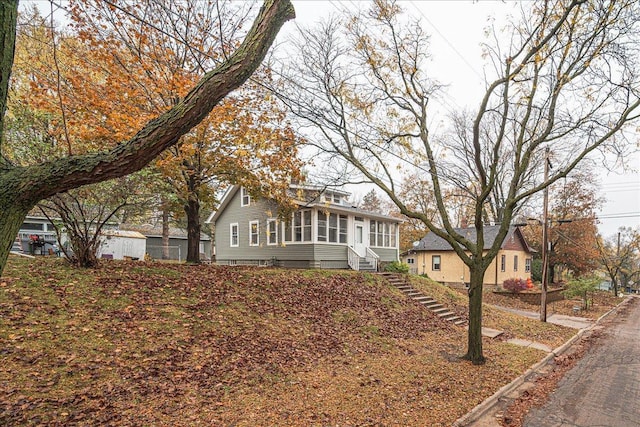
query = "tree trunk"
{"x": 39, "y": 182}
{"x": 192, "y": 208}
{"x": 11, "y": 218}
{"x": 474, "y": 337}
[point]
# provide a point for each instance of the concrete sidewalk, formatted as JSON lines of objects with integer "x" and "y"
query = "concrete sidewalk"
{"x": 573, "y": 322}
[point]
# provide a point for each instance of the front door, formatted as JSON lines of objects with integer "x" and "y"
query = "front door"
{"x": 358, "y": 240}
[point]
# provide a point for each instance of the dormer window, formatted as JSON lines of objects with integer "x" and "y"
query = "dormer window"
{"x": 328, "y": 197}
{"x": 336, "y": 198}
{"x": 245, "y": 198}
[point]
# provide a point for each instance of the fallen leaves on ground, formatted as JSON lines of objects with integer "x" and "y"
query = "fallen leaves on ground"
{"x": 170, "y": 344}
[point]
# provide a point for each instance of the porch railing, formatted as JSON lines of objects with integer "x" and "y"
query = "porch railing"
{"x": 353, "y": 259}
{"x": 372, "y": 258}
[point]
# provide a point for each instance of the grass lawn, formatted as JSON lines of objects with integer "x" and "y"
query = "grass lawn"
{"x": 169, "y": 344}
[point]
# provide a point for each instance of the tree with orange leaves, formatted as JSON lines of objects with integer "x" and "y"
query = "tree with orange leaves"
{"x": 117, "y": 73}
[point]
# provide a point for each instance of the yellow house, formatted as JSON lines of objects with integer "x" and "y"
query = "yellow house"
{"x": 434, "y": 257}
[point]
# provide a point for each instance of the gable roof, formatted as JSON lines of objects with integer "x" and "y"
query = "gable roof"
{"x": 433, "y": 242}
{"x": 314, "y": 203}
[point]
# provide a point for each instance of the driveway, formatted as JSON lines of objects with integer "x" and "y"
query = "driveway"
{"x": 604, "y": 387}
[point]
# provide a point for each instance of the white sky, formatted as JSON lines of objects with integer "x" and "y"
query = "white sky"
{"x": 456, "y": 29}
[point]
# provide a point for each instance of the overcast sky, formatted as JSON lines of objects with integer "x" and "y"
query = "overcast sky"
{"x": 456, "y": 29}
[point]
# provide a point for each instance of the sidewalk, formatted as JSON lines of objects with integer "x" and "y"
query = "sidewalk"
{"x": 486, "y": 414}
{"x": 573, "y": 322}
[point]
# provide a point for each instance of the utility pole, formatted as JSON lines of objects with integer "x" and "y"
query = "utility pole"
{"x": 545, "y": 240}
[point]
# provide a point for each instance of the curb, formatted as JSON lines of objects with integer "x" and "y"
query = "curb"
{"x": 489, "y": 402}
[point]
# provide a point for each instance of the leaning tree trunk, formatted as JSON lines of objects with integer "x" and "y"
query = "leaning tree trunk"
{"x": 474, "y": 337}
{"x": 192, "y": 209}
{"x": 23, "y": 188}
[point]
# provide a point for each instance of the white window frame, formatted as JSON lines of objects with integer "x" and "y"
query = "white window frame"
{"x": 244, "y": 195}
{"x": 503, "y": 263}
{"x": 231, "y": 235}
{"x": 302, "y": 227}
{"x": 335, "y": 233}
{"x": 382, "y": 234}
{"x": 515, "y": 263}
{"x": 527, "y": 265}
{"x": 256, "y": 234}
{"x": 273, "y": 233}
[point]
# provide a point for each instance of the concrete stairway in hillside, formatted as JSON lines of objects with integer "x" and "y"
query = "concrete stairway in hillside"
{"x": 440, "y": 310}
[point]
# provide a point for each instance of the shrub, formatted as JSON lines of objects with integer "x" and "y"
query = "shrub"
{"x": 515, "y": 285}
{"x": 581, "y": 287}
{"x": 397, "y": 267}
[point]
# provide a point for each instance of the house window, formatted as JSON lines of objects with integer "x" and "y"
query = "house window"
{"x": 435, "y": 262}
{"x": 234, "y": 235}
{"x": 382, "y": 234}
{"x": 32, "y": 226}
{"x": 245, "y": 197}
{"x": 527, "y": 265}
{"x": 503, "y": 263}
{"x": 411, "y": 261}
{"x": 342, "y": 232}
{"x": 332, "y": 227}
{"x": 254, "y": 233}
{"x": 272, "y": 232}
{"x": 322, "y": 227}
{"x": 336, "y": 198}
{"x": 299, "y": 228}
{"x": 515, "y": 263}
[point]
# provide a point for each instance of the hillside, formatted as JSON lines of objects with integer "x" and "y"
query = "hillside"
{"x": 170, "y": 344}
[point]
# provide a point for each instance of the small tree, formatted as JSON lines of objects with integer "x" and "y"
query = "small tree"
{"x": 581, "y": 287}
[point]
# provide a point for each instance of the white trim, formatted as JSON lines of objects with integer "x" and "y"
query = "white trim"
{"x": 256, "y": 234}
{"x": 234, "y": 224}
{"x": 268, "y": 231}
{"x": 244, "y": 193}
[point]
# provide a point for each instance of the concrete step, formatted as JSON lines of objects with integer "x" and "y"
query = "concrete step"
{"x": 459, "y": 322}
{"x": 421, "y": 298}
{"x": 451, "y": 318}
{"x": 445, "y": 314}
{"x": 433, "y": 306}
{"x": 441, "y": 309}
{"x": 404, "y": 287}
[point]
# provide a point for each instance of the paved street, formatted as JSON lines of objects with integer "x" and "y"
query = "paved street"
{"x": 603, "y": 389}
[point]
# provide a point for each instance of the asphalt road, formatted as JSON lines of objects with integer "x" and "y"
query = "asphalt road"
{"x": 603, "y": 389}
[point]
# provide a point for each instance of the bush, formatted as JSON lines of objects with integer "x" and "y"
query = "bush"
{"x": 397, "y": 267}
{"x": 581, "y": 287}
{"x": 536, "y": 270}
{"x": 515, "y": 285}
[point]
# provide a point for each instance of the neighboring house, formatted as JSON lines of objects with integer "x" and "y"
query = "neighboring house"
{"x": 177, "y": 241}
{"x": 324, "y": 232}
{"x": 434, "y": 257}
{"x": 121, "y": 244}
{"x": 36, "y": 236}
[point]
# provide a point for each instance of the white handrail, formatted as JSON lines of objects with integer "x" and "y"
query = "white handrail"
{"x": 372, "y": 257}
{"x": 353, "y": 259}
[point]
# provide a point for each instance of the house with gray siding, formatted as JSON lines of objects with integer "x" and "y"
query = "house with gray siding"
{"x": 325, "y": 231}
